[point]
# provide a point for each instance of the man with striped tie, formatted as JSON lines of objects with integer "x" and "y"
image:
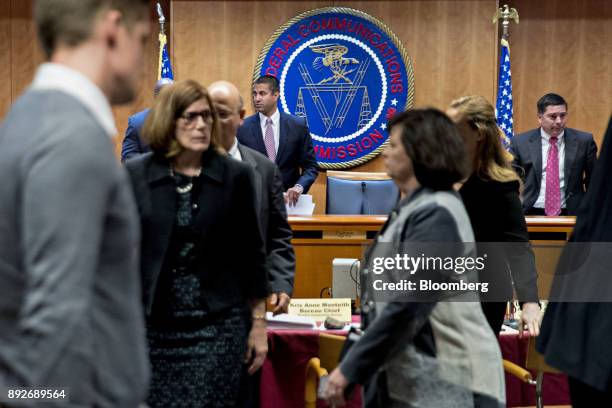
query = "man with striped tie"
{"x": 283, "y": 138}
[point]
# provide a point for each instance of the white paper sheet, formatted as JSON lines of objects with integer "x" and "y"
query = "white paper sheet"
{"x": 304, "y": 206}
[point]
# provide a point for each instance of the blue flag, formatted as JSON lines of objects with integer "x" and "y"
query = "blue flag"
{"x": 503, "y": 106}
{"x": 165, "y": 68}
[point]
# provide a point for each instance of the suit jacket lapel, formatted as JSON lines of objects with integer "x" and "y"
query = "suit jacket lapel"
{"x": 247, "y": 157}
{"x": 571, "y": 147}
{"x": 257, "y": 135}
{"x": 283, "y": 128}
{"x": 163, "y": 201}
{"x": 535, "y": 148}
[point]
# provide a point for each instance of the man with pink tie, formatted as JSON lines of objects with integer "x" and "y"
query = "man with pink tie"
{"x": 556, "y": 161}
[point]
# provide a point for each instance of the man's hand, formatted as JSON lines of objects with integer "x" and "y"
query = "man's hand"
{"x": 292, "y": 194}
{"x": 257, "y": 348}
{"x": 530, "y": 317}
{"x": 334, "y": 392}
{"x": 280, "y": 302}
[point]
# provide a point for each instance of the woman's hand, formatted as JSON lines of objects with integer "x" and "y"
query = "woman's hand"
{"x": 336, "y": 384}
{"x": 257, "y": 346}
{"x": 530, "y": 318}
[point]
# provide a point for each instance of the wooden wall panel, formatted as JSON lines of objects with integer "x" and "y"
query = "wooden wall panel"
{"x": 25, "y": 51}
{"x": 563, "y": 47}
{"x": 5, "y": 56}
{"x": 20, "y": 54}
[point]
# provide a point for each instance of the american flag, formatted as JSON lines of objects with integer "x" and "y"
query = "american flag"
{"x": 165, "y": 68}
{"x": 503, "y": 106}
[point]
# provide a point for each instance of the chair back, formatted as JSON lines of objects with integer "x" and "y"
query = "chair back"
{"x": 535, "y": 360}
{"x": 330, "y": 346}
{"x": 350, "y": 192}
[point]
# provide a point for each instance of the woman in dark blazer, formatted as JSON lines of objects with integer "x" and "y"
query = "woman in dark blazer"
{"x": 202, "y": 255}
{"x": 491, "y": 198}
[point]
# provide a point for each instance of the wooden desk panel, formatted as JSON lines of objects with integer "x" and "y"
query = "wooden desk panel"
{"x": 319, "y": 239}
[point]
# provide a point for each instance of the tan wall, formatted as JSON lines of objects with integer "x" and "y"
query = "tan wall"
{"x": 20, "y": 54}
{"x": 560, "y": 46}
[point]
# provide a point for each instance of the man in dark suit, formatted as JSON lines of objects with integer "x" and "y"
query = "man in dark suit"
{"x": 280, "y": 257}
{"x": 132, "y": 142}
{"x": 556, "y": 162}
{"x": 269, "y": 191}
{"x": 71, "y": 317}
{"x": 283, "y": 138}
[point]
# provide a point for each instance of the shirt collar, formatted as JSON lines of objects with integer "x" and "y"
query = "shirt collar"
{"x": 234, "y": 152}
{"x": 547, "y": 137}
{"x": 58, "y": 77}
{"x": 275, "y": 117}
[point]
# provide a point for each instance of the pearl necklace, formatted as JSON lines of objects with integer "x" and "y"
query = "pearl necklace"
{"x": 189, "y": 186}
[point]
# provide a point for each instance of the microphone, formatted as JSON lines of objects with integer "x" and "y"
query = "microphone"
{"x": 364, "y": 209}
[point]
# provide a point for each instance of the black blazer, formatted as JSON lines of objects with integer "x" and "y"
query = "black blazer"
{"x": 580, "y": 155}
{"x": 495, "y": 212}
{"x": 575, "y": 336}
{"x": 280, "y": 260}
{"x": 231, "y": 260}
{"x": 295, "y": 157}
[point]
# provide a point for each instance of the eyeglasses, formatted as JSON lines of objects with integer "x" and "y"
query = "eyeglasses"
{"x": 191, "y": 118}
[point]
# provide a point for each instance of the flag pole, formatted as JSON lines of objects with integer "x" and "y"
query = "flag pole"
{"x": 504, "y": 112}
{"x": 162, "y": 19}
{"x": 164, "y": 68}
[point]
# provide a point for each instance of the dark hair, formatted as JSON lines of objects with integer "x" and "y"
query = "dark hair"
{"x": 270, "y": 80}
{"x": 70, "y": 21}
{"x": 434, "y": 145}
{"x": 159, "y": 129}
{"x": 550, "y": 99}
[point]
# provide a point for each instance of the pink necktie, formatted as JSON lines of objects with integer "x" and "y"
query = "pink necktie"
{"x": 552, "y": 199}
{"x": 269, "y": 140}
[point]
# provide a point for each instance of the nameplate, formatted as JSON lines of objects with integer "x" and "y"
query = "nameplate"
{"x": 344, "y": 234}
{"x": 320, "y": 309}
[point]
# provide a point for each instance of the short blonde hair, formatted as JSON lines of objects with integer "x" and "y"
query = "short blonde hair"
{"x": 493, "y": 162}
{"x": 159, "y": 129}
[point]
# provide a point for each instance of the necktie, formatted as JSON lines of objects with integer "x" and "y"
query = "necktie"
{"x": 269, "y": 140}
{"x": 552, "y": 199}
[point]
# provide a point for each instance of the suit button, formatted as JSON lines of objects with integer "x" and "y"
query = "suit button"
{"x": 194, "y": 206}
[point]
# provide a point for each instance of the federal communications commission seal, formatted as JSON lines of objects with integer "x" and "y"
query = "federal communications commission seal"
{"x": 347, "y": 74}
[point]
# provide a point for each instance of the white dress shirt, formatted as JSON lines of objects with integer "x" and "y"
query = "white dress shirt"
{"x": 545, "y": 137}
{"x": 58, "y": 77}
{"x": 234, "y": 152}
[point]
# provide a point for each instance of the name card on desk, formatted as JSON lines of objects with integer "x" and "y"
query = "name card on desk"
{"x": 319, "y": 309}
{"x": 344, "y": 235}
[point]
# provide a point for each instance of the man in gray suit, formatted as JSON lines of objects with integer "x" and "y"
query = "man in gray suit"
{"x": 556, "y": 162}
{"x": 269, "y": 190}
{"x": 70, "y": 304}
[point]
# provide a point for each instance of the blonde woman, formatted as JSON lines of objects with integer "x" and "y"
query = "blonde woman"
{"x": 491, "y": 197}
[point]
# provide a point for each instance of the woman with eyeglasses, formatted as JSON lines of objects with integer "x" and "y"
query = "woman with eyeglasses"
{"x": 491, "y": 198}
{"x": 202, "y": 256}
